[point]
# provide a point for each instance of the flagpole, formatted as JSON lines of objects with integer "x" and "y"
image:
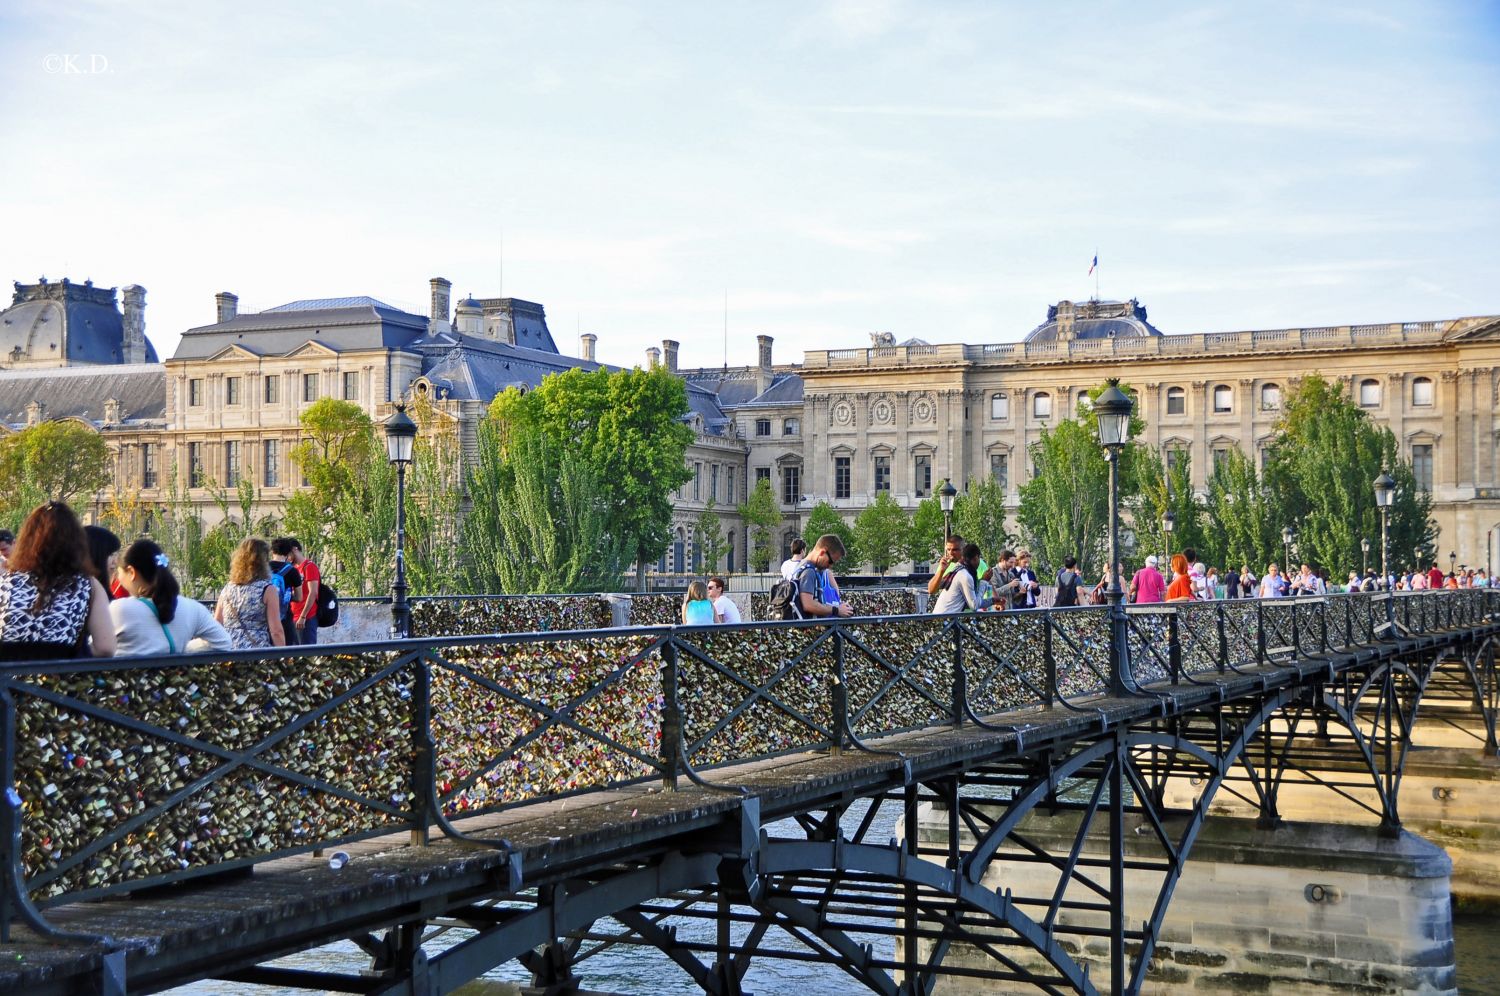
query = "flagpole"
{"x": 1096, "y": 275}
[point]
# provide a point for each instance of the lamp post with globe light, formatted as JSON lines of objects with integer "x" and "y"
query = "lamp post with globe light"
{"x": 1385, "y": 496}
{"x": 946, "y": 496}
{"x": 1364, "y": 557}
{"x": 1112, "y": 409}
{"x": 400, "y": 434}
{"x": 1168, "y": 523}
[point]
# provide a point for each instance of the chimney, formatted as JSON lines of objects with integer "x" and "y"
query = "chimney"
{"x": 438, "y": 320}
{"x": 1066, "y": 319}
{"x": 36, "y": 413}
{"x": 111, "y": 411}
{"x": 133, "y": 342}
{"x": 653, "y": 357}
{"x": 586, "y": 345}
{"x": 764, "y": 375}
{"x": 669, "y": 353}
{"x": 228, "y": 304}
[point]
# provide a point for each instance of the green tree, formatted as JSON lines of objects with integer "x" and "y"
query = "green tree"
{"x": 1244, "y": 515}
{"x": 540, "y": 520}
{"x": 979, "y": 516}
{"x": 434, "y": 498}
{"x": 882, "y": 533}
{"x": 924, "y": 540}
{"x": 1158, "y": 488}
{"x": 825, "y": 519}
{"x": 63, "y": 460}
{"x": 338, "y": 444}
{"x": 760, "y": 515}
{"x": 1326, "y": 454}
{"x": 709, "y": 535}
{"x": 628, "y": 425}
{"x": 1065, "y": 506}
{"x": 360, "y": 538}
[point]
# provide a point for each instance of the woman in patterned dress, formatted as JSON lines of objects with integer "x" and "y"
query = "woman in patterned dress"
{"x": 51, "y": 607}
{"x": 249, "y": 606}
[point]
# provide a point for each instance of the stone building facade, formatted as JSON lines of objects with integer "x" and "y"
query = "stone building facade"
{"x": 841, "y": 426}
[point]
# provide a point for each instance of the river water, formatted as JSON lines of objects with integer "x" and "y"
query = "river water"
{"x": 644, "y": 971}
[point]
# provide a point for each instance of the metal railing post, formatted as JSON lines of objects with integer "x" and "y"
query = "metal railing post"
{"x": 839, "y": 693}
{"x": 1049, "y": 660}
{"x": 960, "y": 679}
{"x": 424, "y": 790}
{"x": 671, "y": 718}
{"x": 1221, "y": 614}
{"x": 1174, "y": 646}
{"x": 1260, "y": 632}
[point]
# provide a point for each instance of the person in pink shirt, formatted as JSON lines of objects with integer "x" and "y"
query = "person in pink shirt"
{"x": 1148, "y": 585}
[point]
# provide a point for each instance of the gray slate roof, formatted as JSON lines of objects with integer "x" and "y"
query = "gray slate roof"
{"x": 80, "y": 392}
{"x": 1098, "y": 320}
{"x": 94, "y": 330}
{"x": 478, "y": 369}
{"x": 278, "y": 332}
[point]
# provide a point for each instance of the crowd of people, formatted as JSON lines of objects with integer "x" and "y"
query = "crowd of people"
{"x": 69, "y": 590}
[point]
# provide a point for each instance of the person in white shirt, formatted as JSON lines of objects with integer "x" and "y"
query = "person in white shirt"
{"x": 156, "y": 619}
{"x": 725, "y": 611}
{"x": 957, "y": 593}
{"x": 789, "y": 565}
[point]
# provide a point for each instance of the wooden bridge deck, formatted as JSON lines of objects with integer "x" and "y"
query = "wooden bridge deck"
{"x": 211, "y": 928}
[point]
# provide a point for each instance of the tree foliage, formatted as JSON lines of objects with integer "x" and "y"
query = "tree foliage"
{"x": 709, "y": 535}
{"x": 924, "y": 538}
{"x": 338, "y": 444}
{"x": 760, "y": 515}
{"x": 979, "y": 516}
{"x": 1156, "y": 488}
{"x": 1243, "y": 516}
{"x": 63, "y": 460}
{"x": 881, "y": 531}
{"x": 823, "y": 520}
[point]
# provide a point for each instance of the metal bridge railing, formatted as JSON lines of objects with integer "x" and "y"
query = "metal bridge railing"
{"x": 128, "y": 773}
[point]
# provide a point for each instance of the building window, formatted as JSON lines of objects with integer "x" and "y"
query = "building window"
{"x": 841, "y": 477}
{"x": 1000, "y": 406}
{"x": 273, "y": 389}
{"x": 1176, "y": 401}
{"x": 195, "y": 393}
{"x": 762, "y": 427}
{"x": 148, "y": 465}
{"x": 791, "y": 427}
{"x": 1421, "y": 465}
{"x": 713, "y": 482}
{"x": 309, "y": 388}
{"x": 351, "y": 385}
{"x": 1220, "y": 454}
{"x": 1223, "y": 399}
{"x": 231, "y": 390}
{"x": 729, "y": 495}
{"x": 231, "y": 463}
{"x": 1176, "y": 458}
{"x": 1041, "y": 406}
{"x": 882, "y": 474}
{"x": 1270, "y": 397}
{"x": 697, "y": 482}
{"x": 195, "y": 465}
{"x": 762, "y": 474}
{"x": 791, "y": 484}
{"x": 1000, "y": 470}
{"x": 1369, "y": 393}
{"x": 271, "y": 464}
{"x": 922, "y": 475}
{"x": 1421, "y": 392}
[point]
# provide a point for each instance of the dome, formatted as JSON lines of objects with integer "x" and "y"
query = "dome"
{"x": 1093, "y": 320}
{"x": 469, "y": 304}
{"x": 63, "y": 324}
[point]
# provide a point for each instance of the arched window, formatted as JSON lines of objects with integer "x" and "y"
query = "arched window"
{"x": 1223, "y": 399}
{"x": 1369, "y": 393}
{"x": 1176, "y": 401}
{"x": 1421, "y": 392}
{"x": 1000, "y": 406}
{"x": 1041, "y": 405}
{"x": 1270, "y": 397}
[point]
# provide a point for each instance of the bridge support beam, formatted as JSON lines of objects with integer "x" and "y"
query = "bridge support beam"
{"x": 1305, "y": 907}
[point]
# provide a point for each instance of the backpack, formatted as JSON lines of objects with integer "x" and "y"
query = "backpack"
{"x": 278, "y": 578}
{"x": 1067, "y": 594}
{"x": 784, "y": 600}
{"x": 328, "y": 604}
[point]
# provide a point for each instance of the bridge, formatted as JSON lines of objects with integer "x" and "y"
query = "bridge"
{"x": 541, "y": 798}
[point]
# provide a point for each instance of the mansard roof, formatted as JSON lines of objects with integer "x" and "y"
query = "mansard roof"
{"x": 343, "y": 328}
{"x": 1093, "y": 320}
{"x": 65, "y": 323}
{"x": 80, "y": 392}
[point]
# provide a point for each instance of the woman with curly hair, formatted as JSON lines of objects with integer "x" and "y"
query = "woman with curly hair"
{"x": 51, "y": 605}
{"x": 249, "y": 606}
{"x": 153, "y": 617}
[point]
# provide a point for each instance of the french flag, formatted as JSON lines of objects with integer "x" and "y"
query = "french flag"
{"x": 1094, "y": 263}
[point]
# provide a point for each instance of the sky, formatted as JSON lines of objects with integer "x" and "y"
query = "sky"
{"x": 816, "y": 171}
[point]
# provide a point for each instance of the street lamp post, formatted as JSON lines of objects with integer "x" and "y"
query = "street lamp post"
{"x": 1364, "y": 557}
{"x": 1168, "y": 523}
{"x": 1286, "y": 548}
{"x": 946, "y": 496}
{"x": 400, "y": 433}
{"x": 1416, "y": 556}
{"x": 1112, "y": 409}
{"x": 1452, "y": 561}
{"x": 1385, "y": 495}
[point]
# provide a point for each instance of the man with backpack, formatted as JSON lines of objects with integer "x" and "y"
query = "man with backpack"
{"x": 287, "y": 579}
{"x": 305, "y": 604}
{"x": 1067, "y": 583}
{"x": 807, "y": 597}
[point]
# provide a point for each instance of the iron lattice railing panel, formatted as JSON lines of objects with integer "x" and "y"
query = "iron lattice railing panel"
{"x": 1339, "y": 614}
{"x": 1240, "y": 626}
{"x": 481, "y": 616}
{"x": 1005, "y": 660}
{"x": 141, "y": 772}
{"x": 754, "y": 691}
{"x": 517, "y": 721}
{"x": 1149, "y": 634}
{"x": 863, "y": 601}
{"x": 1278, "y": 625}
{"x": 1080, "y": 650}
{"x": 1309, "y": 625}
{"x": 899, "y": 674}
{"x": 1198, "y": 636}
